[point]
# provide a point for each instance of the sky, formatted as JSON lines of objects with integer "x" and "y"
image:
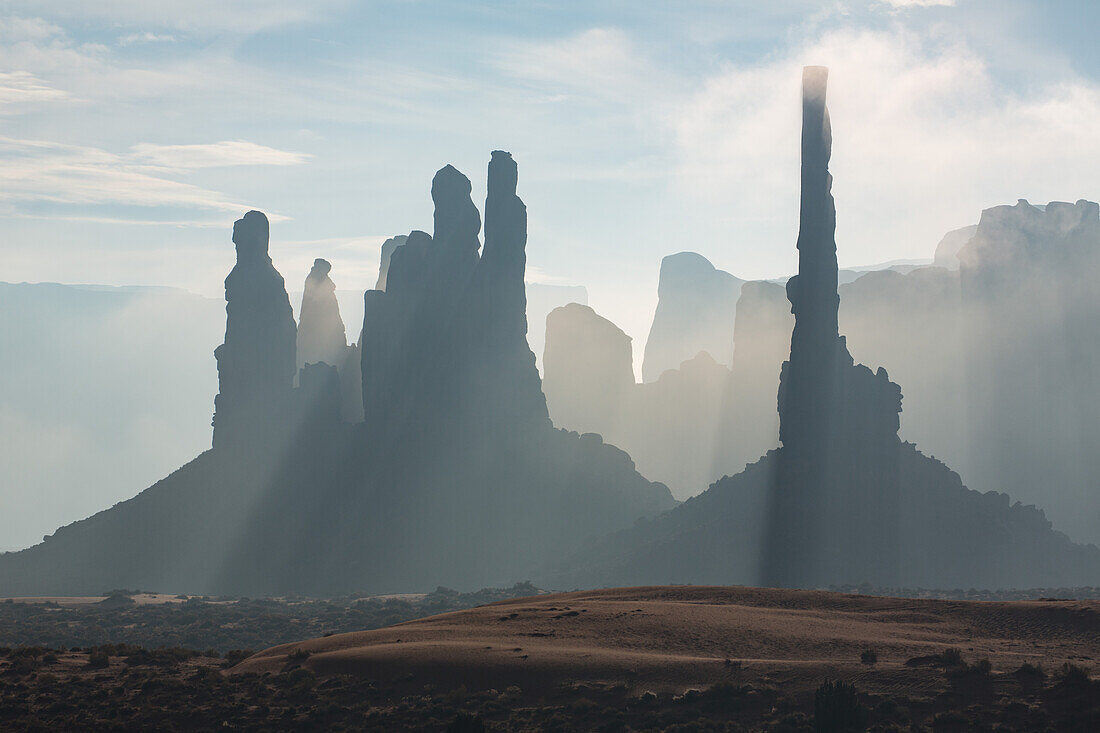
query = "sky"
{"x": 134, "y": 132}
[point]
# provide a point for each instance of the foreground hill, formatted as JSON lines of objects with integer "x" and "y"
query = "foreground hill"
{"x": 627, "y": 659}
{"x": 671, "y": 638}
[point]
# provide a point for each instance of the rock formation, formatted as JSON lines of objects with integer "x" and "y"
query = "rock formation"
{"x": 696, "y": 308}
{"x": 835, "y": 499}
{"x": 388, "y": 248}
{"x": 749, "y": 423}
{"x": 256, "y": 363}
{"x": 843, "y": 501}
{"x": 947, "y": 251}
{"x": 697, "y": 422}
{"x": 456, "y": 475}
{"x": 589, "y": 381}
{"x": 1032, "y": 348}
{"x": 322, "y": 339}
{"x": 507, "y": 378}
{"x": 541, "y": 299}
{"x": 321, "y": 334}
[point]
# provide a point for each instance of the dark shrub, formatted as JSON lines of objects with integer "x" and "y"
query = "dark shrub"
{"x": 837, "y": 709}
{"x": 24, "y": 664}
{"x": 98, "y": 660}
{"x": 1028, "y": 670}
{"x": 1070, "y": 675}
{"x": 466, "y": 723}
{"x": 952, "y": 656}
{"x": 950, "y": 722}
{"x": 301, "y": 680}
{"x": 236, "y": 656}
{"x": 869, "y": 656}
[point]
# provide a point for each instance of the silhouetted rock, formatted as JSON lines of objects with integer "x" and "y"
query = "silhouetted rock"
{"x": 507, "y": 379}
{"x": 912, "y": 324}
{"x": 256, "y": 363}
{"x": 947, "y": 251}
{"x": 589, "y": 377}
{"x": 388, "y": 248}
{"x": 319, "y": 393}
{"x": 697, "y": 422}
{"x": 762, "y": 341}
{"x": 1028, "y": 293}
{"x": 541, "y": 299}
{"x": 843, "y": 501}
{"x": 834, "y": 507}
{"x": 322, "y": 339}
{"x": 321, "y": 334}
{"x": 456, "y": 474}
{"x": 695, "y": 312}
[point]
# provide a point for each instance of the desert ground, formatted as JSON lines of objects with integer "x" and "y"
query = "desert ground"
{"x": 672, "y": 639}
{"x": 675, "y": 658}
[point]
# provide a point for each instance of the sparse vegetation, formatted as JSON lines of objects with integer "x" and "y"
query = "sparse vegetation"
{"x": 225, "y": 624}
{"x": 952, "y": 657}
{"x": 837, "y": 708}
{"x": 192, "y": 693}
{"x": 98, "y": 660}
{"x": 869, "y": 657}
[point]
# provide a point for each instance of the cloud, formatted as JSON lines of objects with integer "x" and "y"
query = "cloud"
{"x": 918, "y": 3}
{"x": 14, "y": 29}
{"x": 598, "y": 64}
{"x": 21, "y": 89}
{"x": 44, "y": 171}
{"x": 215, "y": 155}
{"x": 924, "y": 139}
{"x": 241, "y": 16}
{"x": 145, "y": 37}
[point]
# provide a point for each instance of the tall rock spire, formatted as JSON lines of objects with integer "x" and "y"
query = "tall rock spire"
{"x": 321, "y": 334}
{"x": 834, "y": 513}
{"x": 507, "y": 377}
{"x": 505, "y": 255}
{"x": 256, "y": 363}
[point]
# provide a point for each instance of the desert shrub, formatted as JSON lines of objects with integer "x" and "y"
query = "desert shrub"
{"x": 869, "y": 656}
{"x": 790, "y": 723}
{"x": 466, "y": 723}
{"x": 952, "y": 656}
{"x": 297, "y": 656}
{"x": 1029, "y": 670}
{"x": 236, "y": 656}
{"x": 98, "y": 660}
{"x": 837, "y": 708}
{"x": 1072, "y": 676}
{"x": 890, "y": 710}
{"x": 208, "y": 675}
{"x": 297, "y": 680}
{"x": 24, "y": 664}
{"x": 950, "y": 722}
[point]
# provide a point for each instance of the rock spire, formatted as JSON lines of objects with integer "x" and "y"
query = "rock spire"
{"x": 321, "y": 334}
{"x": 834, "y": 513}
{"x": 256, "y": 363}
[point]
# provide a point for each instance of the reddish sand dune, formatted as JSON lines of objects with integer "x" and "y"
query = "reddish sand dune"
{"x": 674, "y": 638}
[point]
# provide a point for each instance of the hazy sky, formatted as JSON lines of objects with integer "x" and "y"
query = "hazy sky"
{"x": 133, "y": 132}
